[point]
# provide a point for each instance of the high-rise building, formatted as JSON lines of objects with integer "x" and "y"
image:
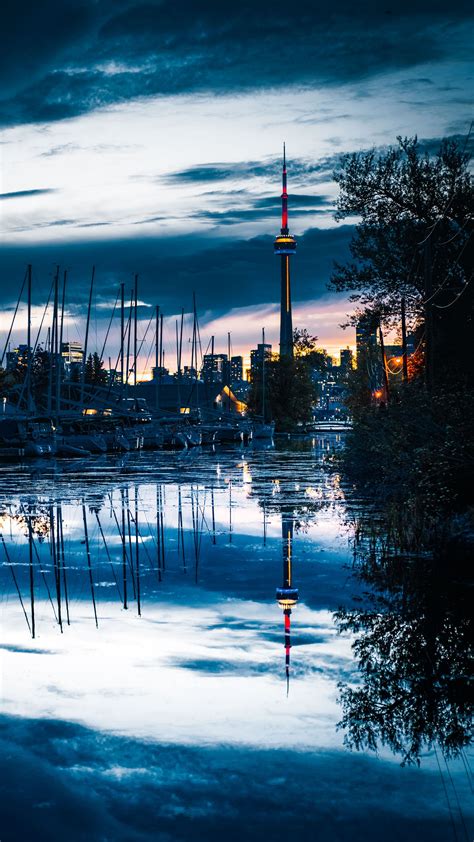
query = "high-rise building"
{"x": 236, "y": 369}
{"x": 17, "y": 358}
{"x": 214, "y": 368}
{"x": 257, "y": 357}
{"x": 72, "y": 352}
{"x": 285, "y": 247}
{"x": 346, "y": 358}
{"x": 366, "y": 340}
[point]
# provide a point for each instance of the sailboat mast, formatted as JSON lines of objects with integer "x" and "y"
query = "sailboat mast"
{"x": 32, "y": 581}
{"x": 28, "y": 345}
{"x": 228, "y": 371}
{"x": 157, "y": 357}
{"x": 263, "y": 374}
{"x": 53, "y": 344}
{"x": 84, "y": 359}
{"x": 212, "y": 359}
{"x": 89, "y": 562}
{"x": 122, "y": 337}
{"x": 60, "y": 345}
{"x": 137, "y": 555}
{"x": 135, "y": 338}
{"x": 181, "y": 342}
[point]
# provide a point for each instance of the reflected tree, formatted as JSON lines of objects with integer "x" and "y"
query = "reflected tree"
{"x": 412, "y": 642}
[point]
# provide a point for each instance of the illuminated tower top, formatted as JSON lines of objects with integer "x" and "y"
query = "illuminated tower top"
{"x": 285, "y": 243}
{"x": 287, "y": 595}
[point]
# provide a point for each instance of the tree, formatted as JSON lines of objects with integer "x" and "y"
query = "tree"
{"x": 289, "y": 388}
{"x": 413, "y": 241}
{"x": 412, "y": 642}
{"x": 94, "y": 370}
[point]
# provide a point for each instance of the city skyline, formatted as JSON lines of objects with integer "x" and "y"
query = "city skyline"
{"x": 143, "y": 139}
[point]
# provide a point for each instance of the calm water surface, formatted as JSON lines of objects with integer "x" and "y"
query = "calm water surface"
{"x": 146, "y": 691}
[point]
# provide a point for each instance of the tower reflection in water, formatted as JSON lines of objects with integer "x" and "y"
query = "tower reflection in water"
{"x": 287, "y": 596}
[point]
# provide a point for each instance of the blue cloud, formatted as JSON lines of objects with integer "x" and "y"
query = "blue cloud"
{"x": 20, "y": 194}
{"x": 63, "y": 781}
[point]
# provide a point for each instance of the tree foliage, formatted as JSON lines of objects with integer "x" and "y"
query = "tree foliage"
{"x": 95, "y": 373}
{"x": 412, "y": 644}
{"x": 402, "y": 197}
{"x": 289, "y": 388}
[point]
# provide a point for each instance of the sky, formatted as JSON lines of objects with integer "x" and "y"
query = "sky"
{"x": 147, "y": 137}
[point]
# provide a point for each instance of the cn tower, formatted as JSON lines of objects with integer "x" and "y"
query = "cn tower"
{"x": 285, "y": 246}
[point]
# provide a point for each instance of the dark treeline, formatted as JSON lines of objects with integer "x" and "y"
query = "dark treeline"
{"x": 412, "y": 640}
{"x": 412, "y": 446}
{"x": 410, "y": 455}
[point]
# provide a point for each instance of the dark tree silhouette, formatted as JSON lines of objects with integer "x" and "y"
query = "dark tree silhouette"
{"x": 94, "y": 370}
{"x": 289, "y": 388}
{"x": 416, "y": 211}
{"x": 413, "y": 635}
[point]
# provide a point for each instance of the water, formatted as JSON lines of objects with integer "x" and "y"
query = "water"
{"x": 154, "y": 700}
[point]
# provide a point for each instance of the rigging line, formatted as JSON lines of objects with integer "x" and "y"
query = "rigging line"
{"x": 14, "y": 317}
{"x": 40, "y": 566}
{"x": 455, "y": 834}
{"x": 467, "y": 770}
{"x": 150, "y": 349}
{"x": 12, "y": 571}
{"x": 35, "y": 346}
{"x": 467, "y": 761}
{"x": 461, "y": 815}
{"x": 150, "y": 530}
{"x": 119, "y": 357}
{"x": 152, "y": 567}
{"x": 110, "y": 325}
{"x": 141, "y": 343}
{"x": 108, "y": 554}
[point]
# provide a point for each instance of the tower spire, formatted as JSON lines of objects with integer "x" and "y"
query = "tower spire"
{"x": 284, "y": 197}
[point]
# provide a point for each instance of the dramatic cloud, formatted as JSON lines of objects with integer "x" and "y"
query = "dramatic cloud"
{"x": 56, "y": 776}
{"x": 89, "y": 55}
{"x": 20, "y": 194}
{"x": 224, "y": 273}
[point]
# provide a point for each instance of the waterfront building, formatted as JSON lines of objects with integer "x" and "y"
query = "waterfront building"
{"x": 17, "y": 358}
{"x": 369, "y": 359}
{"x": 72, "y": 353}
{"x": 366, "y": 340}
{"x": 257, "y": 355}
{"x": 214, "y": 368}
{"x": 284, "y": 247}
{"x": 236, "y": 369}
{"x": 346, "y": 358}
{"x": 160, "y": 372}
{"x": 189, "y": 373}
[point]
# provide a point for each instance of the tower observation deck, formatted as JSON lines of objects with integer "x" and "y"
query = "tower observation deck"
{"x": 285, "y": 246}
